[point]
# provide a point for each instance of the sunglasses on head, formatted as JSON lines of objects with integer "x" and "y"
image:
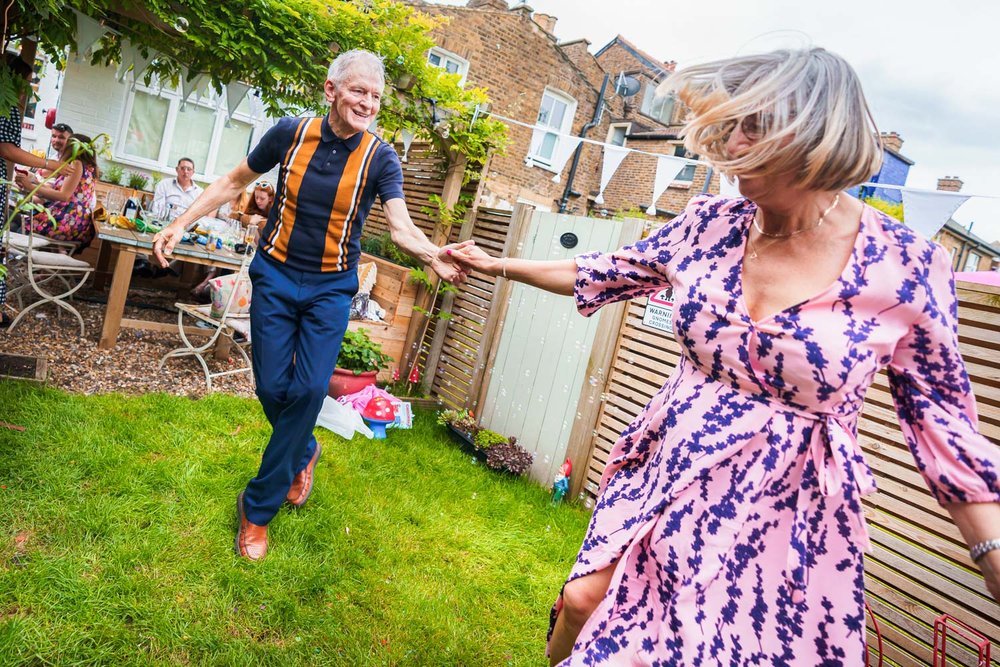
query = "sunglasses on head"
{"x": 62, "y": 127}
{"x": 262, "y": 184}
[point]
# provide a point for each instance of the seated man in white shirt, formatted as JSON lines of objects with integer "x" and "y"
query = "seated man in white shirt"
{"x": 174, "y": 195}
{"x": 171, "y": 198}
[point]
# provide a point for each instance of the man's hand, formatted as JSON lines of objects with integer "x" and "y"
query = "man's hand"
{"x": 25, "y": 181}
{"x": 164, "y": 242}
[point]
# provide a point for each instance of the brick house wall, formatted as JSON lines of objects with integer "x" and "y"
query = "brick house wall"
{"x": 515, "y": 59}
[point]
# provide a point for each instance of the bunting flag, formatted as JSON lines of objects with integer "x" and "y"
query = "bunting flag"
{"x": 235, "y": 92}
{"x": 667, "y": 168}
{"x": 88, "y": 33}
{"x": 188, "y": 86}
{"x": 613, "y": 156}
{"x": 407, "y": 136}
{"x": 928, "y": 211}
{"x": 564, "y": 149}
{"x": 727, "y": 189}
{"x": 133, "y": 59}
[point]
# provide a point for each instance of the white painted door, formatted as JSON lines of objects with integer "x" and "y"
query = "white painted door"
{"x": 544, "y": 347}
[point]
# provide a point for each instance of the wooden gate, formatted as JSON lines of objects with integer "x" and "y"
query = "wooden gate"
{"x": 919, "y": 567}
{"x": 543, "y": 348}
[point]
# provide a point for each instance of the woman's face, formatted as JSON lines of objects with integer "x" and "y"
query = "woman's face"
{"x": 262, "y": 197}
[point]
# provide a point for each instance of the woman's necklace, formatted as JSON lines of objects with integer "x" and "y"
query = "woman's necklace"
{"x": 836, "y": 200}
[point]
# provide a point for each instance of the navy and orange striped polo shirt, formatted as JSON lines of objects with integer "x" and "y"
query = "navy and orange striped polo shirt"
{"x": 326, "y": 186}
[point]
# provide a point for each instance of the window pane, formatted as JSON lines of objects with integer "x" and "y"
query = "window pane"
{"x": 617, "y": 135}
{"x": 434, "y": 59}
{"x": 145, "y": 126}
{"x": 558, "y": 114}
{"x": 548, "y": 146}
{"x": 192, "y": 136}
{"x": 451, "y": 67}
{"x": 234, "y": 146}
{"x": 545, "y": 111}
{"x": 687, "y": 173}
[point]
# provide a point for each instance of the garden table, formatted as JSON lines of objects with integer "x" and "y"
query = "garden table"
{"x": 129, "y": 244}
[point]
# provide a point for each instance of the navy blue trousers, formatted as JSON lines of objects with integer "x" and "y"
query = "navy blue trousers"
{"x": 297, "y": 322}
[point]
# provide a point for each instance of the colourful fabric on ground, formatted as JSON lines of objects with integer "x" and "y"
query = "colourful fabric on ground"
{"x": 732, "y": 503}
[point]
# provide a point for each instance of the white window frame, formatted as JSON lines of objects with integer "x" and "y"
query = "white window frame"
{"x": 611, "y": 131}
{"x": 565, "y": 128}
{"x": 970, "y": 263}
{"x": 463, "y": 64}
{"x": 207, "y": 170}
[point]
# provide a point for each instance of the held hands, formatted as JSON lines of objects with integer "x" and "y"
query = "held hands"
{"x": 473, "y": 258}
{"x": 446, "y": 267}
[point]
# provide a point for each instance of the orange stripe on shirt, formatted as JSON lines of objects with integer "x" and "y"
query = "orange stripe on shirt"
{"x": 346, "y": 237}
{"x": 352, "y": 181}
{"x": 294, "y": 172}
{"x": 267, "y": 244}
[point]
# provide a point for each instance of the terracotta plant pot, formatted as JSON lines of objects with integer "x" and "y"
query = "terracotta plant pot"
{"x": 346, "y": 382}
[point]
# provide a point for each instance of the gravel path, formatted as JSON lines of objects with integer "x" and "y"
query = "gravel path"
{"x": 75, "y": 363}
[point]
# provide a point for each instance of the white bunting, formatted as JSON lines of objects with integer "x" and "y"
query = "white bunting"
{"x": 927, "y": 211}
{"x": 407, "y": 136}
{"x": 613, "y": 156}
{"x": 727, "y": 189}
{"x": 667, "y": 168}
{"x": 133, "y": 59}
{"x": 188, "y": 86}
{"x": 88, "y": 33}
{"x": 235, "y": 92}
{"x": 564, "y": 149}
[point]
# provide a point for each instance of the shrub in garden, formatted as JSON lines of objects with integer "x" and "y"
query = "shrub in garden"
{"x": 509, "y": 456}
{"x": 486, "y": 439}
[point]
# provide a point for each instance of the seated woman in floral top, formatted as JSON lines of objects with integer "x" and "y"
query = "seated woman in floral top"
{"x": 69, "y": 198}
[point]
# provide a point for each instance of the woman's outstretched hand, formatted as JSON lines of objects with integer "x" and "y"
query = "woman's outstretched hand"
{"x": 473, "y": 258}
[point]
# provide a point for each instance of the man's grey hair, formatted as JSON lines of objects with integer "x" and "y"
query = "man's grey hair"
{"x": 353, "y": 61}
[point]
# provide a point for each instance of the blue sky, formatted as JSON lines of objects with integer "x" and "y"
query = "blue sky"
{"x": 931, "y": 71}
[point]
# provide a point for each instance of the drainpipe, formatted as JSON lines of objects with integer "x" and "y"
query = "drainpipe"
{"x": 579, "y": 149}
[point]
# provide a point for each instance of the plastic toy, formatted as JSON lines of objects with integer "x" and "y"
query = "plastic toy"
{"x": 378, "y": 413}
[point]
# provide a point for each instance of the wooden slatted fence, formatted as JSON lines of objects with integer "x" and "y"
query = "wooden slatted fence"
{"x": 423, "y": 176}
{"x": 919, "y": 567}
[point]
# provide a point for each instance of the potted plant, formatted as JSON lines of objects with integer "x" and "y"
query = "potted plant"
{"x": 113, "y": 174}
{"x": 137, "y": 180}
{"x": 359, "y": 362}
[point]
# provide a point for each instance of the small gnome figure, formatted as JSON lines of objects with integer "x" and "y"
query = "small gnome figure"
{"x": 560, "y": 487}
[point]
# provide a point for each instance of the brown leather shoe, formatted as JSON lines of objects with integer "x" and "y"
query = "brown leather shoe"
{"x": 302, "y": 485}
{"x": 251, "y": 539}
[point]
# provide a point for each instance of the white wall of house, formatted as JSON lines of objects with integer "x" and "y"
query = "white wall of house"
{"x": 92, "y": 102}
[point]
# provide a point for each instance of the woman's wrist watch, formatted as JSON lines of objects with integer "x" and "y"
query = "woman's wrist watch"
{"x": 980, "y": 549}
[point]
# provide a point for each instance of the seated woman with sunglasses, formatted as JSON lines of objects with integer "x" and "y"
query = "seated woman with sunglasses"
{"x": 68, "y": 198}
{"x": 729, "y": 527}
{"x": 255, "y": 209}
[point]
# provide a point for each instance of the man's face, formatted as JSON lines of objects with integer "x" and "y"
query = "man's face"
{"x": 185, "y": 173}
{"x": 354, "y": 102}
{"x": 59, "y": 139}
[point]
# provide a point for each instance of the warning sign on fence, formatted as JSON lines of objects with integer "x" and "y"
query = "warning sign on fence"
{"x": 660, "y": 312}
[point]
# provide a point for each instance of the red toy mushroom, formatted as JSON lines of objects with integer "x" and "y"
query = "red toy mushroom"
{"x": 377, "y": 414}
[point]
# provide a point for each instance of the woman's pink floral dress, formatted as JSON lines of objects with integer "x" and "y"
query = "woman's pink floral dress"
{"x": 70, "y": 220}
{"x": 734, "y": 499}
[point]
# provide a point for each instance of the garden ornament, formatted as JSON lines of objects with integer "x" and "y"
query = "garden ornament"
{"x": 378, "y": 413}
{"x": 560, "y": 487}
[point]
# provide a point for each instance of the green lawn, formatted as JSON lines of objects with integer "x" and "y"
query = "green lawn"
{"x": 116, "y": 533}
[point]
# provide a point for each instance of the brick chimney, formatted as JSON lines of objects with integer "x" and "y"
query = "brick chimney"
{"x": 546, "y": 22}
{"x": 892, "y": 141}
{"x": 500, "y": 5}
{"x": 950, "y": 184}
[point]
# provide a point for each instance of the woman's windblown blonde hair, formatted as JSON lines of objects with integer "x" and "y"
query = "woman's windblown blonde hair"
{"x": 808, "y": 104}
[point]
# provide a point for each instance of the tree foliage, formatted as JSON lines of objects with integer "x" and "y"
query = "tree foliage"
{"x": 280, "y": 47}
